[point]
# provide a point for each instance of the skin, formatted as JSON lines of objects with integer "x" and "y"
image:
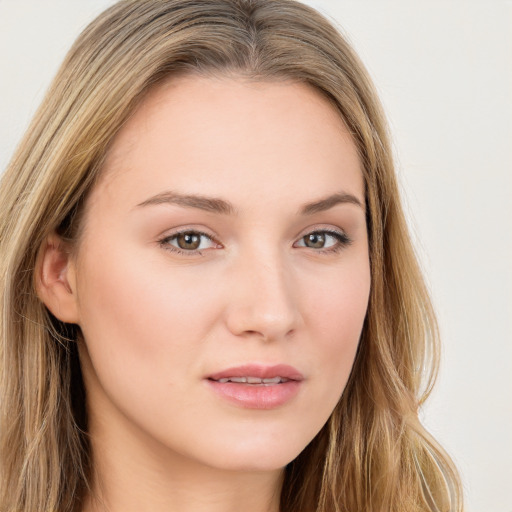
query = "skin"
{"x": 156, "y": 323}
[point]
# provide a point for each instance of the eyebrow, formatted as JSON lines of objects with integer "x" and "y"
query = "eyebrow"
{"x": 329, "y": 202}
{"x": 209, "y": 204}
{"x": 217, "y": 205}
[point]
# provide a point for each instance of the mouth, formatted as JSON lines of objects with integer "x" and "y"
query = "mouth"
{"x": 256, "y": 386}
{"x": 253, "y": 381}
{"x": 258, "y": 374}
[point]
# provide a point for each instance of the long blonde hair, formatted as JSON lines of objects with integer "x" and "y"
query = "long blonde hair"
{"x": 373, "y": 454}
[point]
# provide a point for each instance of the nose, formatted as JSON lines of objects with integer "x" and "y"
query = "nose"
{"x": 263, "y": 303}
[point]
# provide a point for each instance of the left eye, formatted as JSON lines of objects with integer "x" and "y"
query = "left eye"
{"x": 190, "y": 241}
{"x": 322, "y": 240}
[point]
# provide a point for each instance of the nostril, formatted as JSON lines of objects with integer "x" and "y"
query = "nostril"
{"x": 262, "y": 317}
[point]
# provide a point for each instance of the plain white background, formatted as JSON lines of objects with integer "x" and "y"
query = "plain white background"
{"x": 444, "y": 72}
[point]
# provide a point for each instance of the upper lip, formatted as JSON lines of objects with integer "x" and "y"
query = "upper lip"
{"x": 261, "y": 371}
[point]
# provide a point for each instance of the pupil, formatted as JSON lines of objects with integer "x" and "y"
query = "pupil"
{"x": 189, "y": 241}
{"x": 315, "y": 240}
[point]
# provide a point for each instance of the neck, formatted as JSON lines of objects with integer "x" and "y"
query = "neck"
{"x": 217, "y": 493}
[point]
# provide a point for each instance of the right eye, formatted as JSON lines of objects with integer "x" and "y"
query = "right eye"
{"x": 188, "y": 242}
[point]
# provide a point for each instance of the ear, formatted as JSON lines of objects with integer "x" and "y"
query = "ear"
{"x": 55, "y": 279}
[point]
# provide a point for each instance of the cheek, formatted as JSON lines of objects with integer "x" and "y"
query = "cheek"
{"x": 337, "y": 309}
{"x": 145, "y": 324}
{"x": 138, "y": 315}
{"x": 143, "y": 293}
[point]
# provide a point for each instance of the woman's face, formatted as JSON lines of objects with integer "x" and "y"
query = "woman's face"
{"x": 226, "y": 236}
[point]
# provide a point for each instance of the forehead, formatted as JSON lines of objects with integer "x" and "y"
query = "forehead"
{"x": 213, "y": 133}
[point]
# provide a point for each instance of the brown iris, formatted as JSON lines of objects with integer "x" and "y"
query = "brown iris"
{"x": 188, "y": 241}
{"x": 315, "y": 240}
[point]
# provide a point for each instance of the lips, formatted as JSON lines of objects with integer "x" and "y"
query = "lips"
{"x": 256, "y": 386}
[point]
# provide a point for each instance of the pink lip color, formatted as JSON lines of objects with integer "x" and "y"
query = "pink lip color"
{"x": 257, "y": 396}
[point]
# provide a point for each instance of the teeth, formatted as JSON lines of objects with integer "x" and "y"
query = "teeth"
{"x": 254, "y": 380}
{"x": 238, "y": 379}
{"x": 274, "y": 380}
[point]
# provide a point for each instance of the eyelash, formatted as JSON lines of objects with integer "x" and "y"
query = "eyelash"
{"x": 343, "y": 241}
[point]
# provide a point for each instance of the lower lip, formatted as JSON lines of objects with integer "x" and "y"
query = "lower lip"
{"x": 256, "y": 396}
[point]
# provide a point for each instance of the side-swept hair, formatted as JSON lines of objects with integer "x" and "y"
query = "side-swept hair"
{"x": 373, "y": 455}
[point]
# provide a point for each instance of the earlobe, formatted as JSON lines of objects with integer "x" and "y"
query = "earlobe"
{"x": 55, "y": 279}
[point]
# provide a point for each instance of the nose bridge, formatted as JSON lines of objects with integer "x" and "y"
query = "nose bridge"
{"x": 263, "y": 300}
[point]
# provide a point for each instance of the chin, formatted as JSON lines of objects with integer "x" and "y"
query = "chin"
{"x": 256, "y": 464}
{"x": 250, "y": 456}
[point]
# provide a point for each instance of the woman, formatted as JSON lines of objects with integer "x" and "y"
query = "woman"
{"x": 209, "y": 296}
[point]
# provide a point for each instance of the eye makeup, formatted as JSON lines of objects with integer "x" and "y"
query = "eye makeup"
{"x": 320, "y": 237}
{"x": 178, "y": 241}
{"x": 322, "y": 241}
